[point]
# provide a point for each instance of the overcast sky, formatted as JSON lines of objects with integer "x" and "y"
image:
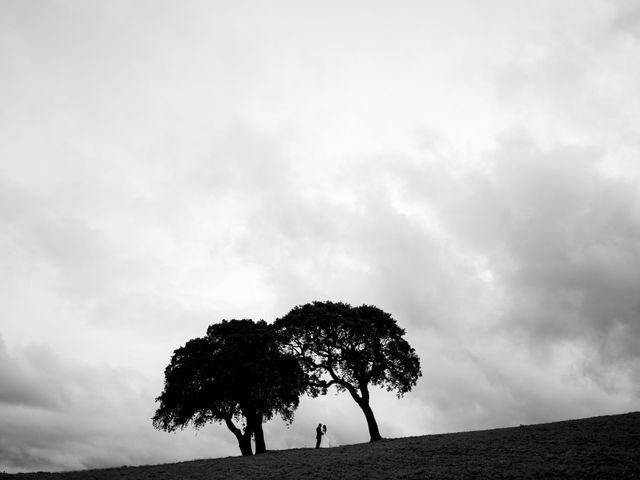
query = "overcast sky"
{"x": 470, "y": 167}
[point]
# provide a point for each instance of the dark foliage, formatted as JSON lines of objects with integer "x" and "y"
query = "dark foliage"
{"x": 350, "y": 348}
{"x": 235, "y": 373}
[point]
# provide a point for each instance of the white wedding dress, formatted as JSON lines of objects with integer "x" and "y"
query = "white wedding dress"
{"x": 328, "y": 441}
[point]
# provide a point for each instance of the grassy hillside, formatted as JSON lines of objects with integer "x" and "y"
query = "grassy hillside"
{"x": 594, "y": 448}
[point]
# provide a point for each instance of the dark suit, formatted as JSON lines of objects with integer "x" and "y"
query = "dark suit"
{"x": 318, "y": 436}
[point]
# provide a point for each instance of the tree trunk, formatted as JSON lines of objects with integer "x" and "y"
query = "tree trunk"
{"x": 244, "y": 442}
{"x": 255, "y": 425}
{"x": 374, "y": 433}
{"x": 363, "y": 402}
{"x": 244, "y": 439}
{"x": 259, "y": 436}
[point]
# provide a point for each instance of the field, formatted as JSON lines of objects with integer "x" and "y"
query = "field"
{"x": 600, "y": 448}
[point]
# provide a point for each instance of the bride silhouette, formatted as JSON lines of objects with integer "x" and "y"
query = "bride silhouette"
{"x": 326, "y": 439}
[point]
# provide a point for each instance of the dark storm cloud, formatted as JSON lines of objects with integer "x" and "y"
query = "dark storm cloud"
{"x": 572, "y": 235}
{"x": 50, "y": 409}
{"x": 20, "y": 381}
{"x": 58, "y": 414}
{"x": 561, "y": 239}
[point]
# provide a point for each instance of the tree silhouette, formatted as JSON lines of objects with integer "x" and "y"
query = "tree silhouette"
{"x": 351, "y": 348}
{"x": 235, "y": 373}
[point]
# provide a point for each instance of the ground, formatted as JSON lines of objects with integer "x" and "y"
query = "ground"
{"x": 595, "y": 448}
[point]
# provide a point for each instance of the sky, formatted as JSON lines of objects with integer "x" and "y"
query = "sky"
{"x": 471, "y": 168}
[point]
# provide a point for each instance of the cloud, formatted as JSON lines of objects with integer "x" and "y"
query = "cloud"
{"x": 18, "y": 385}
{"x": 470, "y": 169}
{"x": 77, "y": 254}
{"x": 514, "y": 278}
{"x": 626, "y": 19}
{"x": 570, "y": 234}
{"x": 57, "y": 414}
{"x": 532, "y": 256}
{"x": 558, "y": 239}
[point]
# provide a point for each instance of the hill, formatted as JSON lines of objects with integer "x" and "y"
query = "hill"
{"x": 600, "y": 448}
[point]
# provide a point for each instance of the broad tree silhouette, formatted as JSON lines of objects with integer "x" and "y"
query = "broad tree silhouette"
{"x": 235, "y": 373}
{"x": 351, "y": 348}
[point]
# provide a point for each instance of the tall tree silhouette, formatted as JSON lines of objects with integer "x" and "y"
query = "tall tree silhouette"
{"x": 351, "y": 348}
{"x": 236, "y": 373}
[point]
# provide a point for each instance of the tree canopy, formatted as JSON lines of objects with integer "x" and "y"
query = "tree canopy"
{"x": 236, "y": 373}
{"x": 350, "y": 348}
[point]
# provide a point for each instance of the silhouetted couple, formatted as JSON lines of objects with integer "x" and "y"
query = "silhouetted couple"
{"x": 320, "y": 431}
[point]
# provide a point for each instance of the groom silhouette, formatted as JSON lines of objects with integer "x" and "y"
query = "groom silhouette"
{"x": 318, "y": 435}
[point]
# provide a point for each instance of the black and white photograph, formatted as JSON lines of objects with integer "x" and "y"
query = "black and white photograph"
{"x": 319, "y": 239}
